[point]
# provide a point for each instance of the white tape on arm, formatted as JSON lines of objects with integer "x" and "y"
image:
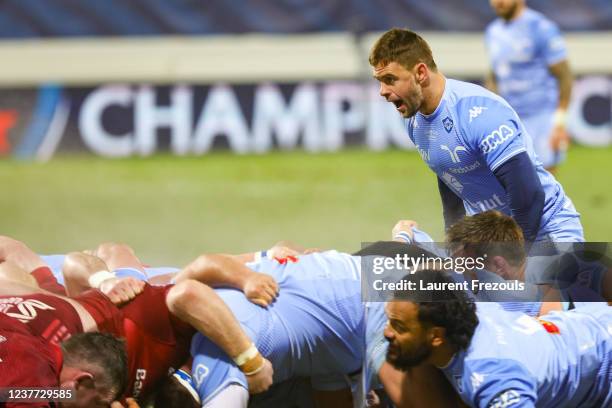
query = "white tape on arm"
{"x": 246, "y": 355}
{"x": 96, "y": 279}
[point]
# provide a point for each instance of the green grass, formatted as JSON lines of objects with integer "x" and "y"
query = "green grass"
{"x": 171, "y": 209}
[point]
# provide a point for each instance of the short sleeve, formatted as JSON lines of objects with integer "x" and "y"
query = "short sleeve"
{"x": 488, "y": 381}
{"x": 492, "y": 129}
{"x": 551, "y": 44}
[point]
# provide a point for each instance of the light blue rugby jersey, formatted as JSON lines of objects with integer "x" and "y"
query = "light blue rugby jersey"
{"x": 520, "y": 52}
{"x": 514, "y": 361}
{"x": 314, "y": 328}
{"x": 470, "y": 134}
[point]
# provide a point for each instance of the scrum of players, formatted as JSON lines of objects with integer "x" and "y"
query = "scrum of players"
{"x": 289, "y": 327}
{"x": 294, "y": 324}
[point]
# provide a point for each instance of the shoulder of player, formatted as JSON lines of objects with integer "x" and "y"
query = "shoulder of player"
{"x": 476, "y": 110}
{"x": 539, "y": 21}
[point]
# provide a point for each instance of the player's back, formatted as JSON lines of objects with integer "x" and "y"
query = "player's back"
{"x": 562, "y": 360}
{"x": 315, "y": 326}
{"x": 520, "y": 52}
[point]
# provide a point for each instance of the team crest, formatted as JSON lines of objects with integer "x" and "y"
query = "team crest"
{"x": 448, "y": 124}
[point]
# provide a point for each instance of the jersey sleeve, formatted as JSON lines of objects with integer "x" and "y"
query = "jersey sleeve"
{"x": 550, "y": 42}
{"x": 212, "y": 370}
{"x": 498, "y": 383}
{"x": 492, "y": 129}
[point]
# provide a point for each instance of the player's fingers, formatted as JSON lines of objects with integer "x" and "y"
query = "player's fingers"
{"x": 270, "y": 292}
{"x": 130, "y": 292}
{"x": 259, "y": 301}
{"x": 266, "y": 297}
{"x": 136, "y": 286}
{"x": 114, "y": 298}
{"x": 124, "y": 293}
{"x": 271, "y": 283}
{"x": 274, "y": 287}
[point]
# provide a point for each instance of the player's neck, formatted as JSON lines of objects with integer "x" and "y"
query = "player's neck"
{"x": 443, "y": 356}
{"x": 432, "y": 94}
{"x": 520, "y": 8}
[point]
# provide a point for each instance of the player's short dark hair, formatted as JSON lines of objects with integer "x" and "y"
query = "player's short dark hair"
{"x": 102, "y": 353}
{"x": 404, "y": 47}
{"x": 172, "y": 394}
{"x": 492, "y": 233}
{"x": 453, "y": 310}
{"x": 391, "y": 249}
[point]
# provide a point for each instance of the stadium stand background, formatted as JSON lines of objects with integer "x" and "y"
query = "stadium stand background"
{"x": 133, "y": 78}
{"x": 162, "y": 78}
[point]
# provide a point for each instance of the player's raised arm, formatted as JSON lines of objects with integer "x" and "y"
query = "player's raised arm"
{"x": 224, "y": 271}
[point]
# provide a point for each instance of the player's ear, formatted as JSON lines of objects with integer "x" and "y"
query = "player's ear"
{"x": 84, "y": 379}
{"x": 437, "y": 336}
{"x": 499, "y": 266}
{"x": 421, "y": 72}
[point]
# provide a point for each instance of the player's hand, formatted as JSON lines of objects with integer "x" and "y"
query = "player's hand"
{"x": 260, "y": 289}
{"x": 372, "y": 400}
{"x": 404, "y": 226}
{"x": 312, "y": 251}
{"x": 131, "y": 403}
{"x": 261, "y": 381}
{"x": 559, "y": 139}
{"x": 280, "y": 252}
{"x": 121, "y": 290}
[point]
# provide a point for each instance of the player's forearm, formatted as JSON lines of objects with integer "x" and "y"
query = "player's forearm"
{"x": 216, "y": 270}
{"x": 199, "y": 306}
{"x": 562, "y": 72}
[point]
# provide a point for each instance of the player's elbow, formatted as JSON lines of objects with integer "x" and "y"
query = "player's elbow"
{"x": 183, "y": 295}
{"x": 202, "y": 266}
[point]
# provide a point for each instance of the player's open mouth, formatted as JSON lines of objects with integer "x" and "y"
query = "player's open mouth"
{"x": 398, "y": 104}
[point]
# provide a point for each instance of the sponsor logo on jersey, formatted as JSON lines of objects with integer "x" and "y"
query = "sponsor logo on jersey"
{"x": 2, "y": 339}
{"x": 452, "y": 182}
{"x": 431, "y": 134}
{"x": 454, "y": 153}
{"x": 477, "y": 379}
{"x": 487, "y": 204}
{"x": 506, "y": 399}
{"x": 26, "y": 309}
{"x": 497, "y": 137}
{"x": 448, "y": 124}
{"x": 424, "y": 153}
{"x": 141, "y": 375}
{"x": 200, "y": 373}
{"x": 465, "y": 169}
{"x": 475, "y": 111}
